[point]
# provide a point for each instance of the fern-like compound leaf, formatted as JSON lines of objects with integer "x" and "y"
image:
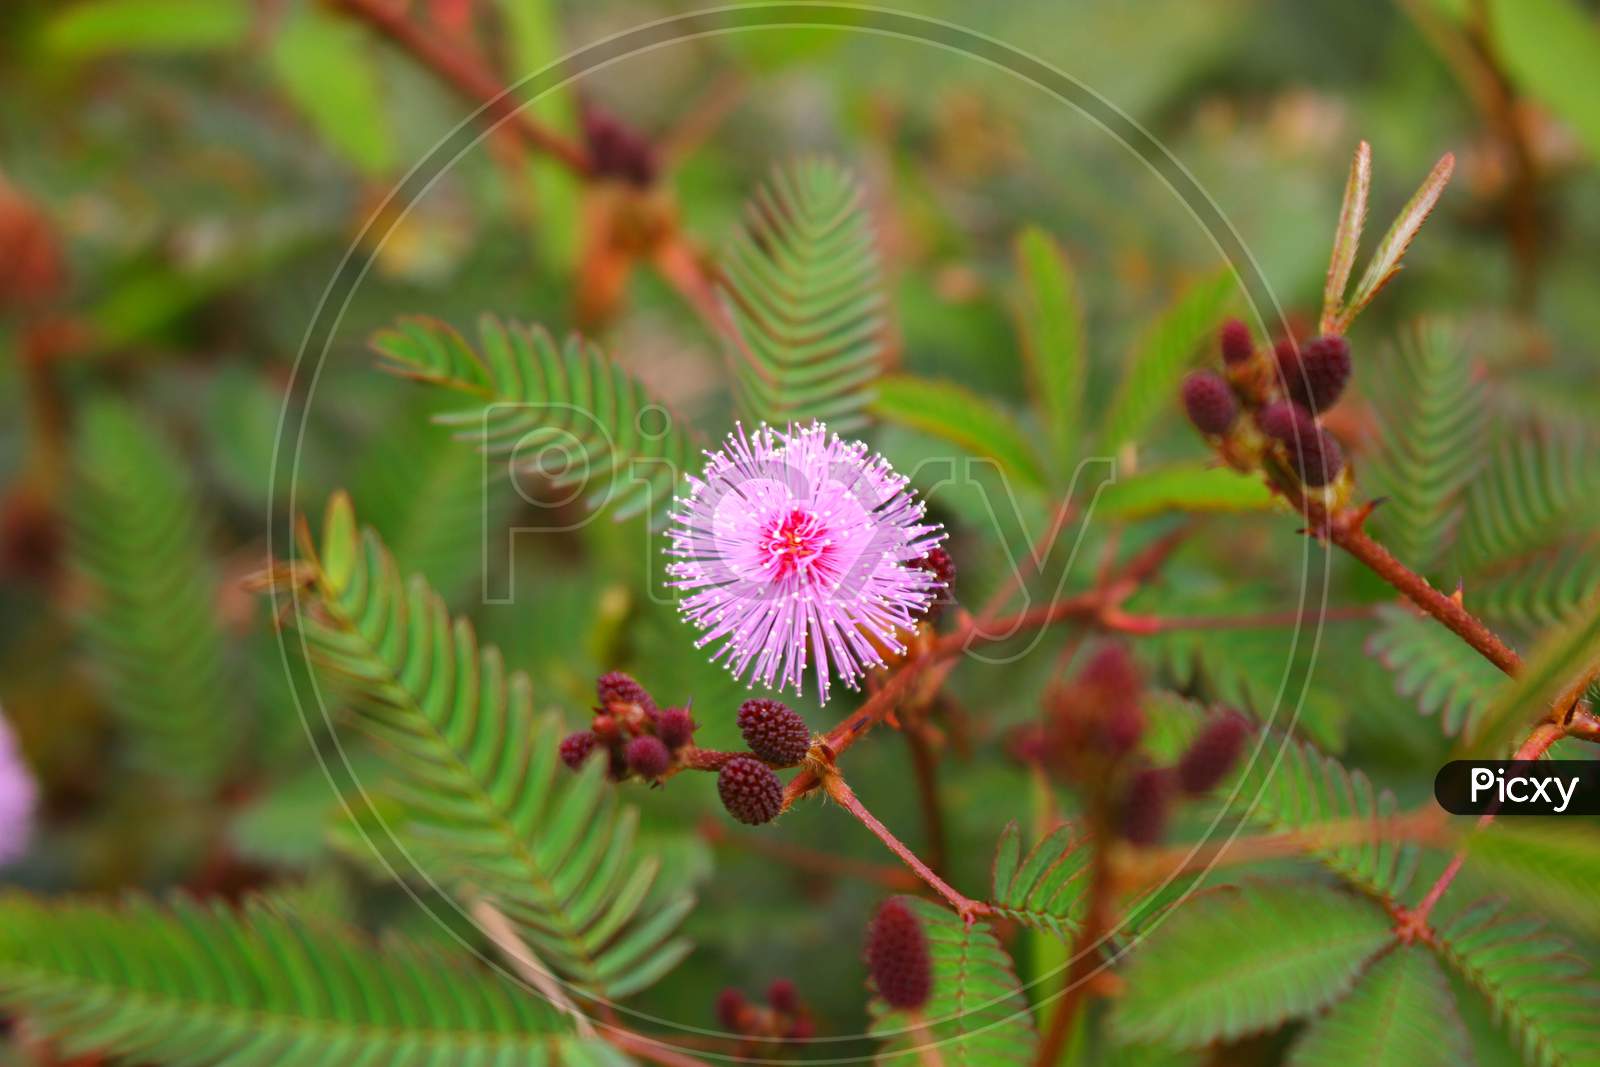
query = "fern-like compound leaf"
{"x": 1431, "y": 414}
{"x": 805, "y": 293}
{"x": 1046, "y": 888}
{"x": 1542, "y": 592}
{"x": 1290, "y": 950}
{"x": 1536, "y": 984}
{"x": 563, "y": 412}
{"x": 1297, "y": 788}
{"x": 1433, "y": 667}
{"x": 478, "y": 776}
{"x": 1536, "y": 487}
{"x": 976, "y": 1014}
{"x": 199, "y": 984}
{"x": 150, "y": 617}
{"x": 1401, "y": 1014}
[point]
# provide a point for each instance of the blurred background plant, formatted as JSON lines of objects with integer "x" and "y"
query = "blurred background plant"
{"x": 1000, "y": 281}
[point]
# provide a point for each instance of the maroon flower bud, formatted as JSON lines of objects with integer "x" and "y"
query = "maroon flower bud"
{"x": 575, "y": 748}
{"x": 774, "y": 732}
{"x": 675, "y": 727}
{"x": 783, "y": 996}
{"x": 1317, "y": 459}
{"x": 732, "y": 1010}
{"x": 616, "y": 150}
{"x": 1210, "y": 402}
{"x": 897, "y": 956}
{"x": 938, "y": 563}
{"x": 1111, "y": 669}
{"x": 1121, "y": 726}
{"x": 648, "y": 757}
{"x": 1235, "y": 342}
{"x": 1284, "y": 420}
{"x": 620, "y": 688}
{"x": 750, "y": 791}
{"x": 800, "y": 1028}
{"x": 1212, "y": 754}
{"x": 1320, "y": 374}
{"x": 1145, "y": 806}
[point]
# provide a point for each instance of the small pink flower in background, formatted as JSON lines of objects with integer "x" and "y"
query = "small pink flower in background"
{"x": 797, "y": 547}
{"x": 18, "y": 795}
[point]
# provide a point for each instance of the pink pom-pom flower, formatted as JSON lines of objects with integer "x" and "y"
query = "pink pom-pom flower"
{"x": 797, "y": 548}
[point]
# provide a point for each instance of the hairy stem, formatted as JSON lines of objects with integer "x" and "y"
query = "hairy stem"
{"x": 841, "y": 792}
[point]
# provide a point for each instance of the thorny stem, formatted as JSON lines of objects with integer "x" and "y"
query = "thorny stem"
{"x": 468, "y": 77}
{"x": 1346, "y": 530}
{"x": 1414, "y": 923}
{"x": 969, "y": 910}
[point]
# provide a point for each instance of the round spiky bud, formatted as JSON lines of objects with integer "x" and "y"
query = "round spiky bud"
{"x": 897, "y": 956}
{"x": 1212, "y": 754}
{"x": 750, "y": 791}
{"x": 1318, "y": 375}
{"x": 1210, "y": 402}
{"x": 575, "y": 748}
{"x": 1112, "y": 685}
{"x": 620, "y": 688}
{"x": 1146, "y": 804}
{"x": 675, "y": 727}
{"x": 1286, "y": 421}
{"x": 774, "y": 731}
{"x": 783, "y": 996}
{"x": 1316, "y": 458}
{"x": 648, "y": 757}
{"x": 1235, "y": 342}
{"x": 938, "y": 563}
{"x": 732, "y": 1010}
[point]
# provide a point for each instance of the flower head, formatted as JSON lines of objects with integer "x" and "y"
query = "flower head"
{"x": 797, "y": 547}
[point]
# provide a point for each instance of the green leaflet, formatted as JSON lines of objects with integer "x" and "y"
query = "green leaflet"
{"x": 102, "y": 26}
{"x": 1051, "y": 319}
{"x": 1292, "y": 786}
{"x": 1159, "y": 359}
{"x": 1045, "y": 889}
{"x": 1555, "y": 864}
{"x": 1537, "y": 486}
{"x": 957, "y": 414}
{"x": 976, "y": 1013}
{"x": 196, "y": 983}
{"x": 1559, "y": 667}
{"x": 477, "y": 776}
{"x": 1191, "y": 487}
{"x": 1551, "y": 48}
{"x": 1401, "y": 1014}
{"x": 805, "y": 292}
{"x": 1431, "y": 412}
{"x": 1433, "y": 667}
{"x": 150, "y": 619}
{"x": 617, "y": 445}
{"x": 328, "y": 68}
{"x": 1290, "y": 950}
{"x": 1533, "y": 980}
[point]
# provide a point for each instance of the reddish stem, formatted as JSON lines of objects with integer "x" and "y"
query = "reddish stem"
{"x": 469, "y": 78}
{"x": 1414, "y": 923}
{"x": 969, "y": 910}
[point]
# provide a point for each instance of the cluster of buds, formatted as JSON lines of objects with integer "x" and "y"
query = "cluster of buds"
{"x": 1266, "y": 404}
{"x": 1090, "y": 738}
{"x": 639, "y": 738}
{"x": 897, "y": 957}
{"x": 784, "y": 1017}
{"x": 644, "y": 741}
{"x": 1147, "y": 800}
